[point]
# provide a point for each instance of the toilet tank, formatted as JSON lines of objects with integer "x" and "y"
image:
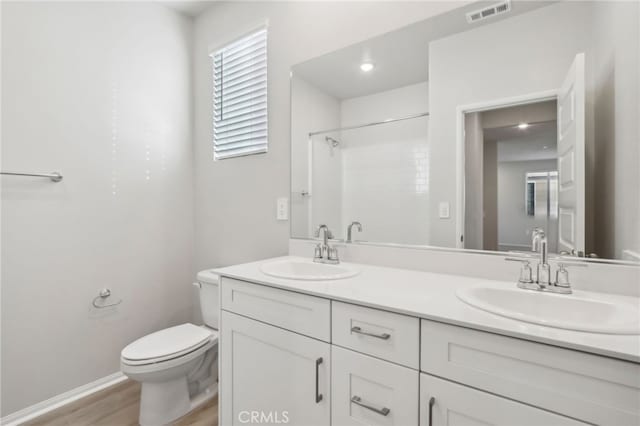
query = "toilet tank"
{"x": 209, "y": 298}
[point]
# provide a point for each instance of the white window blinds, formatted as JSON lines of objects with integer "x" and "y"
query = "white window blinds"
{"x": 240, "y": 97}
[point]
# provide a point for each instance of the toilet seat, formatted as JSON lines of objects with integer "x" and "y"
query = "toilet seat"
{"x": 167, "y": 344}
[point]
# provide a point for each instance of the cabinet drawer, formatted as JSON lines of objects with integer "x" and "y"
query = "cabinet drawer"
{"x": 369, "y": 391}
{"x": 385, "y": 335}
{"x": 457, "y": 405}
{"x": 297, "y": 312}
{"x": 587, "y": 387}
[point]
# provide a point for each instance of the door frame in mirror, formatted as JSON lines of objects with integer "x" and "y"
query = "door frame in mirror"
{"x": 461, "y": 111}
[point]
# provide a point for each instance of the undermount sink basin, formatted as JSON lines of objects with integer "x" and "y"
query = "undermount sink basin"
{"x": 571, "y": 312}
{"x": 307, "y": 270}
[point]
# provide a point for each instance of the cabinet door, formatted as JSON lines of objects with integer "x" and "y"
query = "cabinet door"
{"x": 272, "y": 376}
{"x": 369, "y": 391}
{"x": 458, "y": 405}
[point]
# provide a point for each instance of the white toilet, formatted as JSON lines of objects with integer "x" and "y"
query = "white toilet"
{"x": 176, "y": 365}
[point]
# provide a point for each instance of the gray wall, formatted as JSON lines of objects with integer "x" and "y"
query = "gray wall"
{"x": 617, "y": 126}
{"x": 490, "y": 196}
{"x": 473, "y": 181}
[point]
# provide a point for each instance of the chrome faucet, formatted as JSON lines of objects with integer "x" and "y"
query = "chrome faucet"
{"x": 539, "y": 244}
{"x": 358, "y": 226}
{"x": 324, "y": 253}
{"x": 542, "y": 280}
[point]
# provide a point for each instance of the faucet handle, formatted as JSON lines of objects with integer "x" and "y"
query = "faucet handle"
{"x": 525, "y": 273}
{"x": 525, "y": 280}
{"x": 317, "y": 252}
{"x": 562, "y": 275}
{"x": 332, "y": 254}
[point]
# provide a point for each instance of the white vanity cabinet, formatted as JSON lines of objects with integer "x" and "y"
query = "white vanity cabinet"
{"x": 275, "y": 359}
{"x": 292, "y": 358}
{"x": 446, "y": 403}
{"x": 272, "y": 376}
{"x": 588, "y": 387}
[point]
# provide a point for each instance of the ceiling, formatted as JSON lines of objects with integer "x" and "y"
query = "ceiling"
{"x": 191, "y": 8}
{"x": 536, "y": 142}
{"x": 400, "y": 57}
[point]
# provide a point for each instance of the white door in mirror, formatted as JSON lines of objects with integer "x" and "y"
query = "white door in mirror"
{"x": 571, "y": 159}
{"x": 579, "y": 311}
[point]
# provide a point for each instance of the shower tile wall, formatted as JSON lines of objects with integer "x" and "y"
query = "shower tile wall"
{"x": 385, "y": 168}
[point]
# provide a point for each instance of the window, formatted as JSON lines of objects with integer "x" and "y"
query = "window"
{"x": 541, "y": 194}
{"x": 240, "y": 97}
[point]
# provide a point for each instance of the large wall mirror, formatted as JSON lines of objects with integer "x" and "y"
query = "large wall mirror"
{"x": 474, "y": 128}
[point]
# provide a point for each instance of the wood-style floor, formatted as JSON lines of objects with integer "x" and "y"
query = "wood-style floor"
{"x": 118, "y": 406}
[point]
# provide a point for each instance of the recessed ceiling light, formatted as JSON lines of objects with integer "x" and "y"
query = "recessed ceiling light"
{"x": 366, "y": 66}
{"x": 523, "y": 125}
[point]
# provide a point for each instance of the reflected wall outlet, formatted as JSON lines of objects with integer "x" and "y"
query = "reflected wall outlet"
{"x": 443, "y": 210}
{"x": 282, "y": 209}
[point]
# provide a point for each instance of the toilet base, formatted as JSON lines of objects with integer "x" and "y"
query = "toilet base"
{"x": 162, "y": 403}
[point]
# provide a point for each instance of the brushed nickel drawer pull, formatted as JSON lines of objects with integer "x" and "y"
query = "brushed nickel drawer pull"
{"x": 384, "y": 411}
{"x": 383, "y": 336}
{"x": 318, "y": 394}
{"x": 432, "y": 401}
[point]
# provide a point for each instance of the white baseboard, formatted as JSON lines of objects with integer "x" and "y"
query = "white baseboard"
{"x": 57, "y": 401}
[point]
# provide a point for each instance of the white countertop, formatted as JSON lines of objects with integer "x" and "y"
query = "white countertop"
{"x": 433, "y": 296}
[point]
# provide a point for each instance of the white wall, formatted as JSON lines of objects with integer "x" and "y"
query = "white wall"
{"x": 385, "y": 167}
{"x": 313, "y": 110}
{"x": 78, "y": 78}
{"x": 509, "y": 58}
{"x": 235, "y": 199}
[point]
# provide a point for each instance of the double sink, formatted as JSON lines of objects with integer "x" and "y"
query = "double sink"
{"x": 578, "y": 311}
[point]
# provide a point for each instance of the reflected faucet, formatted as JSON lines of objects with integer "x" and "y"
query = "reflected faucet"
{"x": 358, "y": 226}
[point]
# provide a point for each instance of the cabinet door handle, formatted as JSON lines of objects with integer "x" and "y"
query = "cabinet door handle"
{"x": 384, "y": 411}
{"x": 431, "y": 402}
{"x": 383, "y": 336}
{"x": 318, "y": 394}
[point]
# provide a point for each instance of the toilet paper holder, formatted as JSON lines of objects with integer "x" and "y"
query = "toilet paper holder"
{"x": 102, "y": 296}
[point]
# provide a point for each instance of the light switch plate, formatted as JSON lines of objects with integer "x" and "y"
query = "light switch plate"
{"x": 443, "y": 210}
{"x": 282, "y": 209}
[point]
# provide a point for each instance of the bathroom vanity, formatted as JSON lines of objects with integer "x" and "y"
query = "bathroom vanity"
{"x": 391, "y": 346}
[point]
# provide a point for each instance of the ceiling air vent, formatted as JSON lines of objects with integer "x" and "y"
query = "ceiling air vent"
{"x": 487, "y": 12}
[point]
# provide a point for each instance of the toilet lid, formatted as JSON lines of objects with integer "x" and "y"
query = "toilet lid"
{"x": 163, "y": 343}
